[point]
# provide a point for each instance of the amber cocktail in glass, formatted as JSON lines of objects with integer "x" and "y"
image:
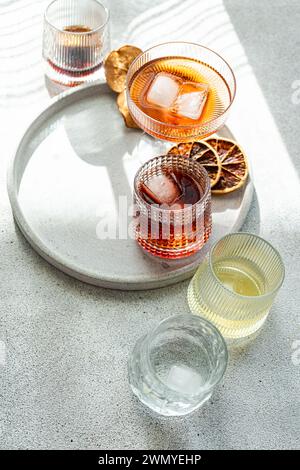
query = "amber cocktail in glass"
{"x": 180, "y": 91}
{"x": 173, "y": 206}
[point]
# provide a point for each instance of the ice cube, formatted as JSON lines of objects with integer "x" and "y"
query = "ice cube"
{"x": 164, "y": 90}
{"x": 191, "y": 100}
{"x": 184, "y": 379}
{"x": 162, "y": 189}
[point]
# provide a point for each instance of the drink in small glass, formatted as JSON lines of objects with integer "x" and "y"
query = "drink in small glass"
{"x": 180, "y": 91}
{"x": 236, "y": 287}
{"x": 173, "y": 206}
{"x": 76, "y": 40}
{"x": 174, "y": 368}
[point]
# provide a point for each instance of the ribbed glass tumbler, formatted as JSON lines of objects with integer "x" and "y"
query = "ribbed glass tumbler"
{"x": 236, "y": 287}
{"x": 174, "y": 369}
{"x": 193, "y": 63}
{"x": 175, "y": 230}
{"x": 75, "y": 41}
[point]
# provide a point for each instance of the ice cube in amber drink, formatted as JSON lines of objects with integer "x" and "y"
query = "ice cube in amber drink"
{"x": 175, "y": 97}
{"x": 180, "y": 91}
{"x": 162, "y": 91}
{"x": 191, "y": 100}
{"x": 172, "y": 198}
{"x": 162, "y": 189}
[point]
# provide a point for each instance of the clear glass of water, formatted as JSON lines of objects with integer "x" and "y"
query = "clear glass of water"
{"x": 75, "y": 41}
{"x": 237, "y": 285}
{"x": 174, "y": 368}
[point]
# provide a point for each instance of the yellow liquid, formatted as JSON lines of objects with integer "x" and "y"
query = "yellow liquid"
{"x": 240, "y": 276}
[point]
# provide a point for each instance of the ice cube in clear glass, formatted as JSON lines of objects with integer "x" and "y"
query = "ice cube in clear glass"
{"x": 191, "y": 100}
{"x": 164, "y": 90}
{"x": 183, "y": 379}
{"x": 162, "y": 189}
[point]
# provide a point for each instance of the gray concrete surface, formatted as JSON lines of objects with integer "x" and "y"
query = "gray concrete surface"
{"x": 64, "y": 344}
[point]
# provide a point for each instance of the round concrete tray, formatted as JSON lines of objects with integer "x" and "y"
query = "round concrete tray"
{"x": 64, "y": 183}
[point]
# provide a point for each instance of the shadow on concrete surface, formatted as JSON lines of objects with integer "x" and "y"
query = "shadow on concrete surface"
{"x": 270, "y": 37}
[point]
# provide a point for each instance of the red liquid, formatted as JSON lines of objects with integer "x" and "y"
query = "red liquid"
{"x": 75, "y": 73}
{"x": 80, "y": 61}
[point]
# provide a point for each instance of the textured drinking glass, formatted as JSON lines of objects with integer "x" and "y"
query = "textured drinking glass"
{"x": 236, "y": 287}
{"x": 193, "y": 61}
{"x": 76, "y": 40}
{"x": 174, "y": 369}
{"x": 166, "y": 232}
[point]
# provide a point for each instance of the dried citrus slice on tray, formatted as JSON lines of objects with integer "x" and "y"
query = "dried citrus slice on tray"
{"x": 204, "y": 154}
{"x": 234, "y": 171}
{"x": 116, "y": 66}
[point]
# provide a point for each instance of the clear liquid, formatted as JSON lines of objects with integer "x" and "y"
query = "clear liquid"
{"x": 178, "y": 375}
{"x": 183, "y": 365}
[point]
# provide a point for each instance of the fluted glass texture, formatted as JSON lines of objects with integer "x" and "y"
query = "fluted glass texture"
{"x": 218, "y": 74}
{"x": 236, "y": 287}
{"x": 75, "y": 41}
{"x": 170, "y": 233}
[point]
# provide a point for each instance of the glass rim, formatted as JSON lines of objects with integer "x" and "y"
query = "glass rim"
{"x": 84, "y": 33}
{"x": 176, "y": 126}
{"x": 165, "y": 209}
{"x": 151, "y": 335}
{"x": 235, "y": 294}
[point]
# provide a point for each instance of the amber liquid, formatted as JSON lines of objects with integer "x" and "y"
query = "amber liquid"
{"x": 78, "y": 52}
{"x": 174, "y": 230}
{"x": 189, "y": 70}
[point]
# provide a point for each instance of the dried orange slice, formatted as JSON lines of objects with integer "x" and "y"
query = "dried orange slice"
{"x": 123, "y": 108}
{"x": 234, "y": 164}
{"x": 116, "y": 66}
{"x": 204, "y": 154}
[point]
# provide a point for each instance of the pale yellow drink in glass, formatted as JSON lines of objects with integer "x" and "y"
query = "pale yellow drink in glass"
{"x": 236, "y": 287}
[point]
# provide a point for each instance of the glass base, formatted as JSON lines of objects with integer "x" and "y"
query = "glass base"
{"x": 72, "y": 78}
{"x": 173, "y": 250}
{"x": 169, "y": 253}
{"x": 188, "y": 136}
